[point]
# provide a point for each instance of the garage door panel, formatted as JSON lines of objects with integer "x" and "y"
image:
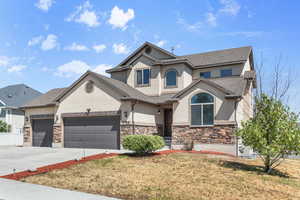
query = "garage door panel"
{"x": 42, "y": 132}
{"x": 91, "y": 137}
{"x": 94, "y": 145}
{"x": 92, "y": 132}
{"x": 91, "y": 128}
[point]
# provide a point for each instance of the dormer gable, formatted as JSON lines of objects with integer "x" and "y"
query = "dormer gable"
{"x": 148, "y": 50}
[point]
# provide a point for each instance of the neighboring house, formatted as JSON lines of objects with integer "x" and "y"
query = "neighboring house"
{"x": 11, "y": 98}
{"x": 200, "y": 97}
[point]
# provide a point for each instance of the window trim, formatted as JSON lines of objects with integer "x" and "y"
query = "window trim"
{"x": 165, "y": 78}
{"x": 190, "y": 109}
{"x": 136, "y": 78}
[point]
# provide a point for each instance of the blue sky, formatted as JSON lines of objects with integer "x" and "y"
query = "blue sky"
{"x": 49, "y": 43}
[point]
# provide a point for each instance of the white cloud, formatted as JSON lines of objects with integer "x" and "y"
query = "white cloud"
{"x": 119, "y": 18}
{"x": 120, "y": 48}
{"x": 190, "y": 27}
{"x": 100, "y": 69}
{"x": 34, "y": 41}
{"x": 89, "y": 18}
{"x": 49, "y": 43}
{"x": 73, "y": 68}
{"x": 16, "y": 68}
{"x": 85, "y": 15}
{"x": 78, "y": 67}
{"x": 245, "y": 33}
{"x": 4, "y": 61}
{"x": 44, "y": 5}
{"x": 45, "y": 69}
{"x": 231, "y": 7}
{"x": 99, "y": 48}
{"x": 161, "y": 43}
{"x": 211, "y": 19}
{"x": 76, "y": 47}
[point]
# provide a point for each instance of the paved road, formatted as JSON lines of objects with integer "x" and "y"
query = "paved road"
{"x": 24, "y": 158}
{"x": 15, "y": 190}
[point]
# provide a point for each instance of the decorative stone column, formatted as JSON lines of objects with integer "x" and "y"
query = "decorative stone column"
{"x": 57, "y": 135}
{"x": 27, "y": 135}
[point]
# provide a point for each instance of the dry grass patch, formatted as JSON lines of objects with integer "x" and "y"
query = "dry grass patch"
{"x": 177, "y": 176}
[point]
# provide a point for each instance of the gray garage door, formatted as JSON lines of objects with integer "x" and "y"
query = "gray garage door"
{"x": 92, "y": 132}
{"x": 42, "y": 130}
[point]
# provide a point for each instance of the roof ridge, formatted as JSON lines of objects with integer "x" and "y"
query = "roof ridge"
{"x": 214, "y": 51}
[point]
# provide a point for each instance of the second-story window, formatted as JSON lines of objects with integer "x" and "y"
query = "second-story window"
{"x": 143, "y": 77}
{"x": 226, "y": 72}
{"x": 205, "y": 74}
{"x": 171, "y": 78}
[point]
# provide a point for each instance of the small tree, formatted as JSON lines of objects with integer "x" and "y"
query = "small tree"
{"x": 273, "y": 132}
{"x": 4, "y": 127}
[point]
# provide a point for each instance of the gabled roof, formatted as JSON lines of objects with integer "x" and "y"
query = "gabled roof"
{"x": 199, "y": 60}
{"x": 232, "y": 87}
{"x": 47, "y": 99}
{"x": 125, "y": 90}
{"x": 220, "y": 57}
{"x": 17, "y": 95}
{"x": 122, "y": 66}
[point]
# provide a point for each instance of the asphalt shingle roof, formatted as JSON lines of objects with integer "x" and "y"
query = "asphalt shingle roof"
{"x": 225, "y": 56}
{"x": 46, "y": 99}
{"x": 231, "y": 86}
{"x": 199, "y": 60}
{"x": 17, "y": 95}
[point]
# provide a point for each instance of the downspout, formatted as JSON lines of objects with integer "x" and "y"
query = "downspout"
{"x": 235, "y": 119}
{"x": 132, "y": 116}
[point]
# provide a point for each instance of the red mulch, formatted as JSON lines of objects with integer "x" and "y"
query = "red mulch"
{"x": 61, "y": 165}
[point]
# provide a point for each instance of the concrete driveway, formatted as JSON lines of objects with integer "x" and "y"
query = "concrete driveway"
{"x": 23, "y": 158}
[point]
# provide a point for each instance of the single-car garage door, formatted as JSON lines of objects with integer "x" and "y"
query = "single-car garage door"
{"x": 42, "y": 132}
{"x": 92, "y": 132}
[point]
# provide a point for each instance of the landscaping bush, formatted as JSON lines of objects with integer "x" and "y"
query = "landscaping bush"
{"x": 143, "y": 144}
{"x": 4, "y": 127}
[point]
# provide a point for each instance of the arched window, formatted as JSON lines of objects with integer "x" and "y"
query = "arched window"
{"x": 171, "y": 78}
{"x": 202, "y": 109}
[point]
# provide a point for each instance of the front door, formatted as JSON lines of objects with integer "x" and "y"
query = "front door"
{"x": 168, "y": 116}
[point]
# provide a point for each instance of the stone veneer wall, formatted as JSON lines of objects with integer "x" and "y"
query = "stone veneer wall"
{"x": 57, "y": 133}
{"x": 140, "y": 130}
{"x": 218, "y": 134}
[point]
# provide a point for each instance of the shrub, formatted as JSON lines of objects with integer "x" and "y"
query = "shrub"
{"x": 143, "y": 144}
{"x": 273, "y": 132}
{"x": 4, "y": 127}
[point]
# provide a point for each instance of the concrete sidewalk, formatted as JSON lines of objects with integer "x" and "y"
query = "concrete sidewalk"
{"x": 15, "y": 190}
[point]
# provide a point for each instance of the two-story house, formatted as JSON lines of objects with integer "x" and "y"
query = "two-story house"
{"x": 199, "y": 97}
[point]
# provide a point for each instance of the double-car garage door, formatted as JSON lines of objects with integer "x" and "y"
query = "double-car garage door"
{"x": 101, "y": 132}
{"x": 92, "y": 132}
